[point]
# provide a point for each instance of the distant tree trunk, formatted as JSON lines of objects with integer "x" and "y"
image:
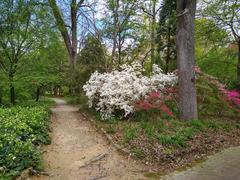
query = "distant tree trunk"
{"x": 12, "y": 95}
{"x": 37, "y": 94}
{"x": 168, "y": 50}
{"x": 186, "y": 59}
{"x": 12, "y": 89}
{"x": 0, "y": 97}
{"x": 55, "y": 91}
{"x": 153, "y": 32}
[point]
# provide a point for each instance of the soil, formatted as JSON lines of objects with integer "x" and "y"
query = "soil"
{"x": 79, "y": 152}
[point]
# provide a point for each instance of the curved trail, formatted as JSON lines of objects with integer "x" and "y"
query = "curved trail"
{"x": 78, "y": 152}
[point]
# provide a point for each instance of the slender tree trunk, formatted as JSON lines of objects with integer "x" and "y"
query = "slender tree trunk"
{"x": 55, "y": 91}
{"x": 238, "y": 66}
{"x": 119, "y": 50}
{"x": 0, "y": 96}
{"x": 115, "y": 32}
{"x": 168, "y": 50}
{"x": 37, "y": 94}
{"x": 74, "y": 32}
{"x": 153, "y": 32}
{"x": 186, "y": 59}
{"x": 12, "y": 90}
{"x": 70, "y": 39}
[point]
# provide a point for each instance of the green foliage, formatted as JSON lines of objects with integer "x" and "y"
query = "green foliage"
{"x": 166, "y": 32}
{"x": 223, "y": 14}
{"x": 22, "y": 129}
{"x": 110, "y": 129}
{"x": 137, "y": 152}
{"x": 130, "y": 133}
{"x": 91, "y": 58}
{"x": 211, "y": 101}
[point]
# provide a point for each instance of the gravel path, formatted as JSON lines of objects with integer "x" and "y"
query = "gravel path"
{"x": 78, "y": 152}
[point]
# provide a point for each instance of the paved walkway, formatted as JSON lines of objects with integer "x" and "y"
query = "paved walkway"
{"x": 221, "y": 166}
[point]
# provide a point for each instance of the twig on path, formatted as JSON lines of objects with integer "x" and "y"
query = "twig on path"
{"x": 95, "y": 159}
{"x": 100, "y": 177}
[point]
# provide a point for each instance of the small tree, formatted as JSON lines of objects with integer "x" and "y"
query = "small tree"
{"x": 186, "y": 58}
{"x": 18, "y": 29}
{"x": 226, "y": 14}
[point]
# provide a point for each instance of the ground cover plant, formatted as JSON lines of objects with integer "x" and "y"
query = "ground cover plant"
{"x": 22, "y": 130}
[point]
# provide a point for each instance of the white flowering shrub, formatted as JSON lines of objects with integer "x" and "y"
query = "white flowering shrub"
{"x": 118, "y": 90}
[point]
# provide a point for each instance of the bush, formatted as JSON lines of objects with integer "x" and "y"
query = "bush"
{"x": 22, "y": 129}
{"x": 119, "y": 90}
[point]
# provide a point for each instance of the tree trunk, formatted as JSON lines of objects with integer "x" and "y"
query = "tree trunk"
{"x": 115, "y": 32}
{"x": 12, "y": 95}
{"x": 0, "y": 97}
{"x": 12, "y": 89}
{"x": 37, "y": 94}
{"x": 238, "y": 66}
{"x": 55, "y": 91}
{"x": 168, "y": 50}
{"x": 69, "y": 40}
{"x": 153, "y": 32}
{"x": 186, "y": 59}
{"x": 74, "y": 33}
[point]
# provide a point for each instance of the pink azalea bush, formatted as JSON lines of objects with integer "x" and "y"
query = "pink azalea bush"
{"x": 232, "y": 95}
{"x": 156, "y": 100}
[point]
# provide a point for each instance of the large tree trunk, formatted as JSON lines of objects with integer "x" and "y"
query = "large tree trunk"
{"x": 186, "y": 59}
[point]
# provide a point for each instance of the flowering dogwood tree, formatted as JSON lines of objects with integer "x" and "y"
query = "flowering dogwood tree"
{"x": 119, "y": 89}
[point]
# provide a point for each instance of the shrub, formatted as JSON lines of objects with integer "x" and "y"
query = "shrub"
{"x": 22, "y": 129}
{"x": 120, "y": 89}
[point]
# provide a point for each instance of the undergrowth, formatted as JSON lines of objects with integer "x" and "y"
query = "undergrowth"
{"x": 22, "y": 129}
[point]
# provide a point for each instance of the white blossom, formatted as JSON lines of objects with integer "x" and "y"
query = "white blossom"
{"x": 118, "y": 90}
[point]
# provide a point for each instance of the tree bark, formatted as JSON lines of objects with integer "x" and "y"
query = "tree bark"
{"x": 37, "y": 94}
{"x": 153, "y": 32}
{"x": 74, "y": 32}
{"x": 0, "y": 97}
{"x": 238, "y": 66}
{"x": 115, "y": 32}
{"x": 71, "y": 43}
{"x": 12, "y": 90}
{"x": 168, "y": 50}
{"x": 186, "y": 10}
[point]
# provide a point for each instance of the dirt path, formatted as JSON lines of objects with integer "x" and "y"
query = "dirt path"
{"x": 75, "y": 143}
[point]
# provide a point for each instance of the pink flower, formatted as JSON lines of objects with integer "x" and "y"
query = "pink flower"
{"x": 155, "y": 94}
{"x": 197, "y": 70}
